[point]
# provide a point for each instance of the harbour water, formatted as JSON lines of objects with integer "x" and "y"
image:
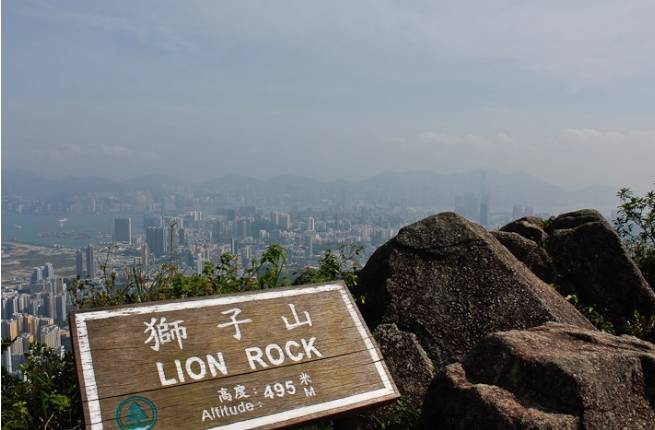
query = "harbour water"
{"x": 66, "y": 230}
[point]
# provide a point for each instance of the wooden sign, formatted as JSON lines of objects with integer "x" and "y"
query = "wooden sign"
{"x": 253, "y": 360}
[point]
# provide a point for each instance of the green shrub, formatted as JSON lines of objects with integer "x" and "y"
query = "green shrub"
{"x": 635, "y": 223}
{"x": 591, "y": 313}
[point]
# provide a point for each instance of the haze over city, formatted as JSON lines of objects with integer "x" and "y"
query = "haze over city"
{"x": 333, "y": 90}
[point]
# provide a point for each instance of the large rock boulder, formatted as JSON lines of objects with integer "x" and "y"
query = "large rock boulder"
{"x": 555, "y": 376}
{"x": 408, "y": 362}
{"x": 529, "y": 227}
{"x": 451, "y": 283}
{"x": 591, "y": 260}
{"x": 529, "y": 253}
{"x": 575, "y": 219}
{"x": 411, "y": 369}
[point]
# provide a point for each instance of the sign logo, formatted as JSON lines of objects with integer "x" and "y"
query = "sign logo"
{"x": 136, "y": 413}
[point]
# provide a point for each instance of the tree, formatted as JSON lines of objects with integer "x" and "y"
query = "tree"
{"x": 47, "y": 398}
{"x": 635, "y": 223}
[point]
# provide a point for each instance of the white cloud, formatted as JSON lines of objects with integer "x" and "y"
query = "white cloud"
{"x": 605, "y": 138}
{"x": 467, "y": 139}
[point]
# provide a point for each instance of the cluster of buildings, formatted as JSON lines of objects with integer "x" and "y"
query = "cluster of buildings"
{"x": 190, "y": 232}
{"x": 38, "y": 312}
{"x": 192, "y": 238}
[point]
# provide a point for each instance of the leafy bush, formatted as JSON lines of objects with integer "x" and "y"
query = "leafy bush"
{"x": 635, "y": 223}
{"x": 591, "y": 313}
{"x": 342, "y": 266}
{"x": 48, "y": 398}
{"x": 641, "y": 326}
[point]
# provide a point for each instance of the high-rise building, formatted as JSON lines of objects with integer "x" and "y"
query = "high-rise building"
{"x": 49, "y": 335}
{"x": 217, "y": 231}
{"x": 467, "y": 205}
{"x": 6, "y": 359}
{"x": 123, "y": 230}
{"x": 156, "y": 240}
{"x": 61, "y": 303}
{"x": 200, "y": 262}
{"x": 50, "y": 305}
{"x": 311, "y": 224}
{"x": 49, "y": 271}
{"x": 310, "y": 245}
{"x": 484, "y": 210}
{"x": 285, "y": 221}
{"x": 244, "y": 228}
{"x": 151, "y": 221}
{"x": 60, "y": 286}
{"x": 24, "y": 302}
{"x": 79, "y": 263}
{"x": 145, "y": 256}
{"x": 9, "y": 329}
{"x": 9, "y": 306}
{"x": 37, "y": 275}
{"x": 90, "y": 262}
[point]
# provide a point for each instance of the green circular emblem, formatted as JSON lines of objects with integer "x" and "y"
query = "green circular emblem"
{"x": 136, "y": 413}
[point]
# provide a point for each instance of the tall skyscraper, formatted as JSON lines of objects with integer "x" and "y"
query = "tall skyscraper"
{"x": 468, "y": 206}
{"x": 61, "y": 307}
{"x": 49, "y": 271}
{"x": 484, "y": 210}
{"x": 9, "y": 328}
{"x": 310, "y": 245}
{"x": 217, "y": 231}
{"x": 156, "y": 240}
{"x": 244, "y": 228}
{"x": 49, "y": 335}
{"x": 151, "y": 221}
{"x": 79, "y": 263}
{"x": 123, "y": 230}
{"x": 9, "y": 306}
{"x": 6, "y": 359}
{"x": 90, "y": 262}
{"x": 37, "y": 275}
{"x": 311, "y": 223}
{"x": 281, "y": 219}
{"x": 285, "y": 221}
{"x": 145, "y": 256}
{"x": 200, "y": 263}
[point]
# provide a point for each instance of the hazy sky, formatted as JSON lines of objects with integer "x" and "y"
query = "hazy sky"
{"x": 564, "y": 90}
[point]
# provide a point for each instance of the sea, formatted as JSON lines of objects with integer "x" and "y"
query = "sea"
{"x": 63, "y": 230}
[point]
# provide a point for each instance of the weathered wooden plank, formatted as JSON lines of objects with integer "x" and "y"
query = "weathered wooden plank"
{"x": 298, "y": 354}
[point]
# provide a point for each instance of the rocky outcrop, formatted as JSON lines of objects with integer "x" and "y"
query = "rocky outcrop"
{"x": 555, "y": 376}
{"x": 591, "y": 261}
{"x": 529, "y": 253}
{"x": 451, "y": 283}
{"x": 529, "y": 227}
{"x": 408, "y": 362}
{"x": 411, "y": 369}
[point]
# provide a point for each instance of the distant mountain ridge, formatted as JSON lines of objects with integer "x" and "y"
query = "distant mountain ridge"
{"x": 421, "y": 189}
